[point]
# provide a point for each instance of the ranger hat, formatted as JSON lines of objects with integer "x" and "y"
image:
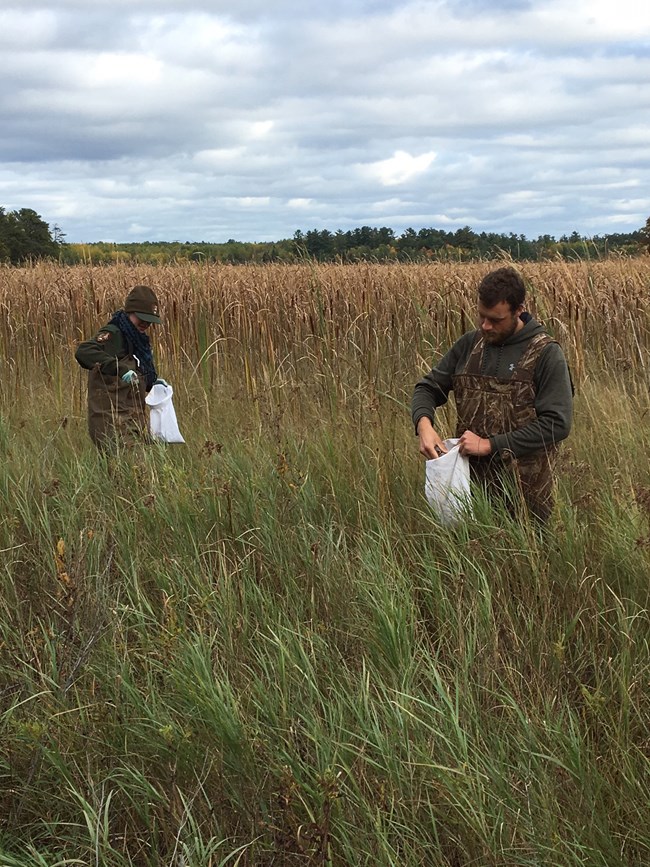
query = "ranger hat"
{"x": 142, "y": 301}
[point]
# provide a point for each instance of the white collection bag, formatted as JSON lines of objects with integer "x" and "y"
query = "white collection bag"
{"x": 447, "y": 485}
{"x": 162, "y": 418}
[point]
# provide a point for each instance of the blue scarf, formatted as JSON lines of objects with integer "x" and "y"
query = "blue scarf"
{"x": 138, "y": 345}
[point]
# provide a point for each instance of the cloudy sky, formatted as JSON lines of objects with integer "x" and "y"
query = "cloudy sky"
{"x": 200, "y": 120}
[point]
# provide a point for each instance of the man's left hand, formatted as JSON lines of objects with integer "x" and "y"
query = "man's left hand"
{"x": 474, "y": 446}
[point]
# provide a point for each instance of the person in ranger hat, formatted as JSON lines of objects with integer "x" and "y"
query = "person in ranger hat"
{"x": 513, "y": 394}
{"x": 121, "y": 371}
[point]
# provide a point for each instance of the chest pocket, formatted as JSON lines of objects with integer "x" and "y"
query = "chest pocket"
{"x": 489, "y": 406}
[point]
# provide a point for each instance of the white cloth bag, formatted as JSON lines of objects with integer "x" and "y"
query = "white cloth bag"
{"x": 447, "y": 485}
{"x": 162, "y": 418}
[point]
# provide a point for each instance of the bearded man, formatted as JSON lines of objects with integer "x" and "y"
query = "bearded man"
{"x": 513, "y": 394}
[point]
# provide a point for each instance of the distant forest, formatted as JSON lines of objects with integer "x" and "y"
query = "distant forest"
{"x": 25, "y": 236}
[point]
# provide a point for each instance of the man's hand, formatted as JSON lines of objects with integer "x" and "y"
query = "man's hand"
{"x": 474, "y": 446}
{"x": 131, "y": 377}
{"x": 431, "y": 446}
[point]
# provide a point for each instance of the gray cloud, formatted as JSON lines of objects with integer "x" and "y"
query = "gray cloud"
{"x": 200, "y": 121}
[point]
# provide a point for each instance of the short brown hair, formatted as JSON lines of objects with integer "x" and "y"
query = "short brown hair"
{"x": 504, "y": 284}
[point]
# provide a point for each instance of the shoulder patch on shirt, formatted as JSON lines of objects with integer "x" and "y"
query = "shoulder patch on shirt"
{"x": 103, "y": 336}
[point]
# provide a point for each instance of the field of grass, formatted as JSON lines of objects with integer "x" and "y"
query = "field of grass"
{"x": 258, "y": 648}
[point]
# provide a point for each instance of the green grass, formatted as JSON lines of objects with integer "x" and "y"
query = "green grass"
{"x": 260, "y": 649}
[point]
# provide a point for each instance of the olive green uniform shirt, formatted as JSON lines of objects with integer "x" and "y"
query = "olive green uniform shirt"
{"x": 116, "y": 409}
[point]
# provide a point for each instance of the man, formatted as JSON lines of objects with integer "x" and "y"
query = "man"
{"x": 513, "y": 395}
{"x": 121, "y": 369}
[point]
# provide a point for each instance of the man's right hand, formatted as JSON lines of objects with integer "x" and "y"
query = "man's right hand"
{"x": 431, "y": 446}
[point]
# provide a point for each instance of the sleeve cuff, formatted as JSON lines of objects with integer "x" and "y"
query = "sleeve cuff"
{"x": 498, "y": 443}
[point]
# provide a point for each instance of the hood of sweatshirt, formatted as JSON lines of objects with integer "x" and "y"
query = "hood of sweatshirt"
{"x": 500, "y": 360}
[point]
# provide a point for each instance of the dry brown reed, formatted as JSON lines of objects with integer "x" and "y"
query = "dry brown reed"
{"x": 279, "y": 324}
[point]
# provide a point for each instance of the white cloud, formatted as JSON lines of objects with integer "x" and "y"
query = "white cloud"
{"x": 595, "y": 19}
{"x": 401, "y": 167}
{"x": 249, "y": 201}
{"x": 111, "y": 69}
{"x": 218, "y": 157}
{"x": 261, "y": 128}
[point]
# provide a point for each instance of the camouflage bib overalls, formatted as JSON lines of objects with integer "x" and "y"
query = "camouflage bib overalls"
{"x": 489, "y": 405}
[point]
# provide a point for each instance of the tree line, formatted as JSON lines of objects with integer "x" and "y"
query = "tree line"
{"x": 25, "y": 236}
{"x": 367, "y": 243}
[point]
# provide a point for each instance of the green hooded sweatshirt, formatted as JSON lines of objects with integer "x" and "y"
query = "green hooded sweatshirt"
{"x": 551, "y": 380}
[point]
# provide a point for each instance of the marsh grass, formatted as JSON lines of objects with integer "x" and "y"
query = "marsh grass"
{"x": 259, "y": 648}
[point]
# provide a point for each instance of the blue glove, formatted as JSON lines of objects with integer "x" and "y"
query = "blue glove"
{"x": 131, "y": 377}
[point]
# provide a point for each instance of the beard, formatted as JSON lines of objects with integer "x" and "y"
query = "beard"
{"x": 497, "y": 338}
